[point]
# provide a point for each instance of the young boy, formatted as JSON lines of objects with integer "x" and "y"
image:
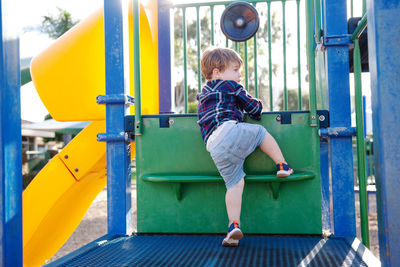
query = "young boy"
{"x": 228, "y": 139}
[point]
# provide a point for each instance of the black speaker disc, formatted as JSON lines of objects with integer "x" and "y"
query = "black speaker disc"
{"x": 239, "y": 21}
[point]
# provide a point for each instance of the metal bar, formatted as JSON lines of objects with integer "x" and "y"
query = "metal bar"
{"x": 237, "y": 47}
{"x": 10, "y": 140}
{"x": 226, "y": 38}
{"x": 364, "y": 7}
{"x": 216, "y": 3}
{"x": 119, "y": 213}
{"x": 255, "y": 63}
{"x": 311, "y": 63}
{"x": 136, "y": 62}
{"x": 384, "y": 66}
{"x": 351, "y": 8}
{"x": 337, "y": 70}
{"x": 299, "y": 105}
{"x": 271, "y": 99}
{"x": 285, "y": 93}
{"x": 360, "y": 146}
{"x": 164, "y": 60}
{"x": 325, "y": 184}
{"x": 360, "y": 28}
{"x": 212, "y": 25}
{"x": 364, "y": 105}
{"x": 338, "y": 131}
{"x": 198, "y": 49}
{"x": 318, "y": 20}
{"x": 185, "y": 58}
{"x": 246, "y": 67}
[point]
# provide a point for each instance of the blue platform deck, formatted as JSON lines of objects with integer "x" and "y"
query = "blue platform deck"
{"x": 206, "y": 250}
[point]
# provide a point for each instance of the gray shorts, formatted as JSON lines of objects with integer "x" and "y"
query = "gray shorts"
{"x": 229, "y": 154}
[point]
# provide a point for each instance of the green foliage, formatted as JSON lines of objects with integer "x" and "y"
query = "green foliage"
{"x": 55, "y": 26}
{"x": 293, "y": 99}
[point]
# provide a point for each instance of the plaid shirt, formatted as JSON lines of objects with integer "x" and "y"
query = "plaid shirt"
{"x": 221, "y": 101}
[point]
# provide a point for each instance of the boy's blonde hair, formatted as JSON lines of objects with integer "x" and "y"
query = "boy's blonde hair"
{"x": 220, "y": 58}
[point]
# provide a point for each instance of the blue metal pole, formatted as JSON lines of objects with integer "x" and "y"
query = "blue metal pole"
{"x": 119, "y": 213}
{"x": 10, "y": 141}
{"x": 384, "y": 66}
{"x": 164, "y": 58}
{"x": 337, "y": 66}
{"x": 325, "y": 186}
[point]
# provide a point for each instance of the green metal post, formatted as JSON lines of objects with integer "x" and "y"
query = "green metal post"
{"x": 285, "y": 93}
{"x": 246, "y": 67}
{"x": 237, "y": 47}
{"x": 271, "y": 100}
{"x": 212, "y": 24}
{"x": 298, "y": 56}
{"x": 185, "y": 58}
{"x": 311, "y": 62}
{"x": 318, "y": 20}
{"x": 351, "y": 8}
{"x": 226, "y": 38}
{"x": 364, "y": 7}
{"x": 136, "y": 62}
{"x": 360, "y": 146}
{"x": 255, "y": 64}
{"x": 198, "y": 49}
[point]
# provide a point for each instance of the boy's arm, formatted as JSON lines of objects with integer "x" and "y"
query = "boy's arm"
{"x": 251, "y": 105}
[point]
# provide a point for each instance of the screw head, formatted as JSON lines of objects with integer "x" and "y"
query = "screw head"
{"x": 76, "y": 170}
{"x": 171, "y": 121}
{"x": 321, "y": 118}
{"x": 278, "y": 118}
{"x": 65, "y": 156}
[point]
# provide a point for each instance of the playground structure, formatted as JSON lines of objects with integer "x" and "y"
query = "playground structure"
{"x": 172, "y": 182}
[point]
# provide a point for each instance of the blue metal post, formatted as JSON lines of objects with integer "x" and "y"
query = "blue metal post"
{"x": 164, "y": 57}
{"x": 337, "y": 67}
{"x": 325, "y": 185}
{"x": 119, "y": 213}
{"x": 384, "y": 66}
{"x": 10, "y": 141}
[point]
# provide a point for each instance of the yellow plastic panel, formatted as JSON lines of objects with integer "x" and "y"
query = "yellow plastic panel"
{"x": 38, "y": 198}
{"x": 71, "y": 72}
{"x": 57, "y": 199}
{"x": 75, "y": 154}
{"x": 62, "y": 219}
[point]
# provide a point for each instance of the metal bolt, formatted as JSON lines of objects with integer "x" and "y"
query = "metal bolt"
{"x": 321, "y": 118}
{"x": 278, "y": 118}
{"x": 66, "y": 156}
{"x": 338, "y": 39}
{"x": 76, "y": 170}
{"x": 313, "y": 117}
{"x": 171, "y": 121}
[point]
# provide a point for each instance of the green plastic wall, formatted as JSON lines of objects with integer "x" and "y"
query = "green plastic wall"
{"x": 179, "y": 150}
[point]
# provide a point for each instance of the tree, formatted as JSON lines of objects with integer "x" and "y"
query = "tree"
{"x": 55, "y": 26}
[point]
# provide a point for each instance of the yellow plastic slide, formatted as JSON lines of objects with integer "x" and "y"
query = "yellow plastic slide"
{"x": 68, "y": 76}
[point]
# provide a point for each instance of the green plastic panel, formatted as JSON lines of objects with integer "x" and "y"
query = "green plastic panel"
{"x": 172, "y": 198}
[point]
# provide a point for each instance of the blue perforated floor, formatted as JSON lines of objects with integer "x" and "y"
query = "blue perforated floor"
{"x": 206, "y": 250}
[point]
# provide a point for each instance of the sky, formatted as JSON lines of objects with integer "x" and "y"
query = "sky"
{"x": 33, "y": 42}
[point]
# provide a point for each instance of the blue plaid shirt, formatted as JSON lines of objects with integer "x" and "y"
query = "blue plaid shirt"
{"x": 221, "y": 101}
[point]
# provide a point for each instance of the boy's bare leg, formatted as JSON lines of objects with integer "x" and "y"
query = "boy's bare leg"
{"x": 233, "y": 200}
{"x": 270, "y": 147}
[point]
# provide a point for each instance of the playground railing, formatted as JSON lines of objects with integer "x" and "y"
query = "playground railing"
{"x": 250, "y": 50}
{"x": 361, "y": 165}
